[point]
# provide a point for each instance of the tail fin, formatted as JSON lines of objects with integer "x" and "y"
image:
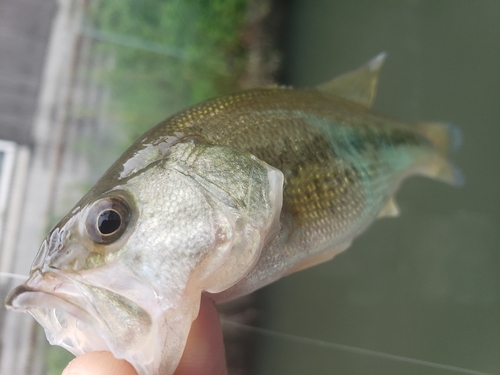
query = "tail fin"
{"x": 446, "y": 139}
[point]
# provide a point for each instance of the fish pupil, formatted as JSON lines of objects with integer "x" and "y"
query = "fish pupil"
{"x": 109, "y": 222}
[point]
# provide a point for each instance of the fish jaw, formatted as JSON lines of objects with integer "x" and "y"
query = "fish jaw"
{"x": 58, "y": 316}
{"x": 76, "y": 316}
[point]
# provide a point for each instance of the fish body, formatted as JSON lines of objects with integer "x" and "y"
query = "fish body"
{"x": 224, "y": 197}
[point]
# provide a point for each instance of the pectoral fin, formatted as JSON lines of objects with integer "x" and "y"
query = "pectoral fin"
{"x": 319, "y": 258}
{"x": 359, "y": 85}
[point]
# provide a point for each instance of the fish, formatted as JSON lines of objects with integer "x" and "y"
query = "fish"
{"x": 223, "y": 198}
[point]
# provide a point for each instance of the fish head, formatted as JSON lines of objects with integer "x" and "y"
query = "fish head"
{"x": 125, "y": 269}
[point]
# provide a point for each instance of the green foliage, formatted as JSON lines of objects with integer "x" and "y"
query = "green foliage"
{"x": 57, "y": 359}
{"x": 168, "y": 54}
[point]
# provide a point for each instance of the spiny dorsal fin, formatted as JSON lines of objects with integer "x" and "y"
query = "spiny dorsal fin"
{"x": 390, "y": 209}
{"x": 358, "y": 86}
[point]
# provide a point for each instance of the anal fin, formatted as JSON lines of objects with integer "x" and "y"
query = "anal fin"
{"x": 390, "y": 209}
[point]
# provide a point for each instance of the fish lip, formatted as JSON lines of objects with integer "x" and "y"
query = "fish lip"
{"x": 9, "y": 300}
{"x": 46, "y": 285}
{"x": 26, "y": 298}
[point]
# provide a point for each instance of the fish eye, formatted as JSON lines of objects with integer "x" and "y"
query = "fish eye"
{"x": 107, "y": 220}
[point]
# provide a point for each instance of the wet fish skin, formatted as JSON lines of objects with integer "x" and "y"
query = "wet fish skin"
{"x": 223, "y": 197}
{"x": 341, "y": 161}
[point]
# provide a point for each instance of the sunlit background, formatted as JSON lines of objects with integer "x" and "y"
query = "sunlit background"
{"x": 81, "y": 79}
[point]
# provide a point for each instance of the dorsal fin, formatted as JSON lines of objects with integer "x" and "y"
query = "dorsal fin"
{"x": 359, "y": 85}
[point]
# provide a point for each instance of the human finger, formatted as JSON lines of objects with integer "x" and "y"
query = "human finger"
{"x": 99, "y": 363}
{"x": 203, "y": 355}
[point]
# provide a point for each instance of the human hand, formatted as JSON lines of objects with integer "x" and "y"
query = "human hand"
{"x": 203, "y": 355}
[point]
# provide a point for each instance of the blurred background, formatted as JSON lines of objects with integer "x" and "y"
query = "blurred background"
{"x": 81, "y": 79}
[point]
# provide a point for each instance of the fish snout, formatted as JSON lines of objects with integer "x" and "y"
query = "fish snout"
{"x": 39, "y": 258}
{"x": 59, "y": 252}
{"x": 37, "y": 284}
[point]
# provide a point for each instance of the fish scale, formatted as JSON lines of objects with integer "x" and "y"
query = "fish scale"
{"x": 273, "y": 124}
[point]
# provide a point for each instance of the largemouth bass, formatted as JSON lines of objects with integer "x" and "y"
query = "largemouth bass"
{"x": 224, "y": 197}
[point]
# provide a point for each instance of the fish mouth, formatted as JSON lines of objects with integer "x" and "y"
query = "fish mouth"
{"x": 25, "y": 298}
{"x": 66, "y": 323}
{"x": 81, "y": 314}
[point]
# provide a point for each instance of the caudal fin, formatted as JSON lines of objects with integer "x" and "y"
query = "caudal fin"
{"x": 446, "y": 139}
